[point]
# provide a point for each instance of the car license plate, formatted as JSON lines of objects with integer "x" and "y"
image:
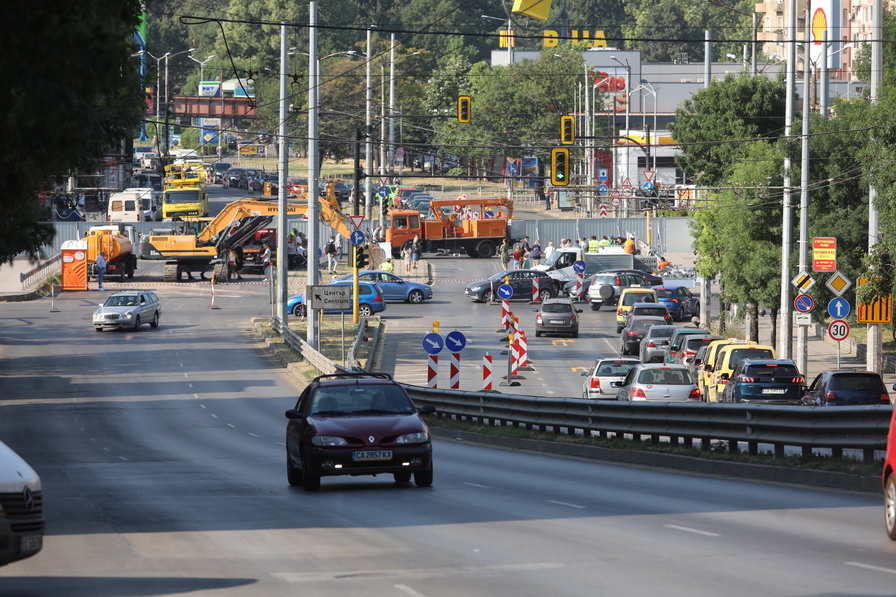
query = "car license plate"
{"x": 557, "y": 322}
{"x": 372, "y": 455}
{"x": 774, "y": 391}
{"x": 31, "y": 543}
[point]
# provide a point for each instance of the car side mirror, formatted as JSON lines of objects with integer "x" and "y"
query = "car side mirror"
{"x": 294, "y": 414}
{"x": 426, "y": 409}
{"x": 584, "y": 373}
{"x": 578, "y": 310}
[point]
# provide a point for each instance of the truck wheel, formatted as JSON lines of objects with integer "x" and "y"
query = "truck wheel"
{"x": 486, "y": 249}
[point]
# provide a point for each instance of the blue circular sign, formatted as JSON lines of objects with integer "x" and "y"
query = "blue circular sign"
{"x": 505, "y": 291}
{"x": 357, "y": 238}
{"x": 803, "y": 303}
{"x": 320, "y": 253}
{"x": 433, "y": 343}
{"x": 603, "y": 189}
{"x": 455, "y": 341}
{"x": 839, "y": 308}
{"x": 578, "y": 267}
{"x": 649, "y": 186}
{"x": 383, "y": 192}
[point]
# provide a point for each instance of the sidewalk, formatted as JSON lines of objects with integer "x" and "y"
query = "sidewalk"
{"x": 11, "y": 289}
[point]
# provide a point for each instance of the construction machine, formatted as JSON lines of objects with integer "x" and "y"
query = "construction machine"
{"x": 236, "y": 224}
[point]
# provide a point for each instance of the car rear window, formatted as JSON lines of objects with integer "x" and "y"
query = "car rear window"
{"x": 671, "y": 377}
{"x": 694, "y": 344}
{"x": 739, "y": 354}
{"x": 619, "y": 369}
{"x": 557, "y": 308}
{"x": 661, "y": 332}
{"x": 604, "y": 279}
{"x": 655, "y": 311}
{"x": 771, "y": 371}
{"x": 663, "y": 293}
{"x": 857, "y": 381}
{"x": 642, "y": 325}
{"x": 636, "y": 297}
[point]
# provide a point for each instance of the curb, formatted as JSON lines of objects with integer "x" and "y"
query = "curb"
{"x": 290, "y": 368}
{"x": 676, "y": 462}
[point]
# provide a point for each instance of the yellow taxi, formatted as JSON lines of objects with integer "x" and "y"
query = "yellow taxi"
{"x": 728, "y": 358}
{"x": 628, "y": 297}
{"x": 709, "y": 359}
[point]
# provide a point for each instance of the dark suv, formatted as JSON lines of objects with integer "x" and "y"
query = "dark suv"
{"x": 846, "y": 388}
{"x": 357, "y": 424}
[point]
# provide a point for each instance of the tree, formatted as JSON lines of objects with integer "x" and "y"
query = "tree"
{"x": 65, "y": 103}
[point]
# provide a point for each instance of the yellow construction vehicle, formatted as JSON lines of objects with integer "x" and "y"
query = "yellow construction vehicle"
{"x": 206, "y": 251}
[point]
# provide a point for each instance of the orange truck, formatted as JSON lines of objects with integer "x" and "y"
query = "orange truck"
{"x": 476, "y": 227}
{"x": 119, "y": 243}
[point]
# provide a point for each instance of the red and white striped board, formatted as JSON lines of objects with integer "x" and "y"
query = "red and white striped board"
{"x": 515, "y": 357}
{"x": 523, "y": 349}
{"x": 535, "y": 297}
{"x": 603, "y": 211}
{"x": 506, "y": 315}
{"x": 454, "y": 371}
{"x": 487, "y": 372}
{"x": 432, "y": 378}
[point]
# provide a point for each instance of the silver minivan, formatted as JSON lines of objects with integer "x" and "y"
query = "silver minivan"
{"x": 21, "y": 502}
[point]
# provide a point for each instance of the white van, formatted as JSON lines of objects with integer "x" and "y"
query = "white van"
{"x": 560, "y": 264}
{"x": 21, "y": 500}
{"x": 125, "y": 206}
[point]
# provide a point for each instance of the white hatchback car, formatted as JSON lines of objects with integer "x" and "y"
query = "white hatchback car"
{"x": 601, "y": 375}
{"x": 658, "y": 383}
{"x": 128, "y": 309}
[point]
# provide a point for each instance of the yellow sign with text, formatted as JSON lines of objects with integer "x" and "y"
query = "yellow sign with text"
{"x": 880, "y": 310}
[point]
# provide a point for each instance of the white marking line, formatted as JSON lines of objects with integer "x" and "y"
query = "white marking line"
{"x": 233, "y": 426}
{"x": 216, "y": 416}
{"x": 123, "y": 458}
{"x": 190, "y": 385}
{"x": 550, "y": 391}
{"x": 201, "y": 406}
{"x": 567, "y": 504}
{"x": 409, "y": 591}
{"x": 253, "y": 435}
{"x": 181, "y": 364}
{"x": 690, "y": 530}
{"x": 478, "y": 485}
{"x": 870, "y": 567}
{"x": 280, "y": 443}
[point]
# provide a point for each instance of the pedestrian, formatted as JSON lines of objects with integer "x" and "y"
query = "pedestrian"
{"x": 548, "y": 195}
{"x": 82, "y": 203}
{"x": 527, "y": 259}
{"x": 536, "y": 254}
{"x": 378, "y": 234}
{"x": 303, "y": 240}
{"x": 593, "y": 244}
{"x": 406, "y": 255}
{"x": 101, "y": 268}
{"x": 549, "y": 250}
{"x": 415, "y": 250}
{"x": 629, "y": 246}
{"x": 517, "y": 257}
{"x": 239, "y": 260}
{"x": 504, "y": 253}
{"x": 332, "y": 256}
{"x": 604, "y": 241}
{"x": 266, "y": 260}
{"x": 524, "y": 246}
{"x": 291, "y": 252}
{"x": 387, "y": 265}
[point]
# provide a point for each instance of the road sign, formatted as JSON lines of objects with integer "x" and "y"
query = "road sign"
{"x": 838, "y": 330}
{"x": 578, "y": 267}
{"x": 433, "y": 343}
{"x": 455, "y": 341}
{"x": 628, "y": 192}
{"x": 602, "y": 189}
{"x": 839, "y": 308}
{"x": 803, "y": 282}
{"x": 357, "y": 238}
{"x": 802, "y": 319}
{"x": 333, "y": 296}
{"x": 383, "y": 191}
{"x": 356, "y": 221}
{"x": 803, "y": 303}
{"x": 603, "y": 174}
{"x": 615, "y": 202}
{"x": 603, "y": 211}
{"x": 626, "y": 184}
{"x": 824, "y": 254}
{"x": 511, "y": 168}
{"x": 615, "y": 192}
{"x": 648, "y": 175}
{"x": 383, "y": 180}
{"x": 880, "y": 310}
{"x": 399, "y": 153}
{"x": 505, "y": 291}
{"x": 838, "y": 283}
{"x": 648, "y": 186}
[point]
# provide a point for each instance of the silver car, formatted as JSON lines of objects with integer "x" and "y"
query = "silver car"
{"x": 658, "y": 383}
{"x": 128, "y": 310}
{"x": 653, "y": 345}
{"x": 557, "y": 316}
{"x": 602, "y": 374}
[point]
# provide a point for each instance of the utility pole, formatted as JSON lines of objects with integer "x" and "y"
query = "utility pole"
{"x": 802, "y": 331}
{"x": 785, "y": 330}
{"x": 874, "y": 340}
{"x": 313, "y": 132}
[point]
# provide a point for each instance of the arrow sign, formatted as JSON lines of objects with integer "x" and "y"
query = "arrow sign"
{"x": 505, "y": 291}
{"x": 455, "y": 341}
{"x": 839, "y": 308}
{"x": 357, "y": 238}
{"x": 383, "y": 191}
{"x": 648, "y": 186}
{"x": 602, "y": 189}
{"x": 578, "y": 267}
{"x": 433, "y": 343}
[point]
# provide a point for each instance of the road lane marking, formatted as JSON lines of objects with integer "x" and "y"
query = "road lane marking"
{"x": 409, "y": 591}
{"x": 214, "y": 415}
{"x": 253, "y": 435}
{"x": 478, "y": 485}
{"x": 233, "y": 426}
{"x": 690, "y": 530}
{"x": 567, "y": 504}
{"x": 562, "y": 341}
{"x": 870, "y": 567}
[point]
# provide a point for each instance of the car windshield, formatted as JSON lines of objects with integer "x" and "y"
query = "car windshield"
{"x": 121, "y": 301}
{"x": 188, "y": 196}
{"x": 553, "y": 258}
{"x": 344, "y": 400}
{"x": 856, "y": 381}
{"x": 669, "y": 377}
{"x": 556, "y": 308}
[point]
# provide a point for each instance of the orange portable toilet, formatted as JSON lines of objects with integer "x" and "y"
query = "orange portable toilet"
{"x": 74, "y": 265}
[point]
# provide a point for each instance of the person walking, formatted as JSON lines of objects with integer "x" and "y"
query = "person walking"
{"x": 504, "y": 253}
{"x": 101, "y": 268}
{"x": 517, "y": 257}
{"x": 415, "y": 250}
{"x": 549, "y": 250}
{"x": 332, "y": 256}
{"x": 239, "y": 259}
{"x": 548, "y": 195}
{"x": 536, "y": 254}
{"x": 539, "y": 193}
{"x": 337, "y": 240}
{"x": 266, "y": 261}
{"x": 406, "y": 255}
{"x": 291, "y": 252}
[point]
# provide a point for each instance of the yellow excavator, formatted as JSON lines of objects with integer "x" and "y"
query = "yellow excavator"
{"x": 206, "y": 251}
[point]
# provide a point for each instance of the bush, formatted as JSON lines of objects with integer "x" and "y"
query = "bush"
{"x": 458, "y": 172}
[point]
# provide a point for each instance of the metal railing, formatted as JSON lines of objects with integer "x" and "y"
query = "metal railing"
{"x": 40, "y": 274}
{"x": 850, "y": 427}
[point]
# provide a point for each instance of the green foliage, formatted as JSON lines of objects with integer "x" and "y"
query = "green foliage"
{"x": 64, "y": 103}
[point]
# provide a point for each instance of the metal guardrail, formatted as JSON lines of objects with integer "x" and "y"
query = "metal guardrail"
{"x": 42, "y": 272}
{"x": 836, "y": 428}
{"x": 314, "y": 357}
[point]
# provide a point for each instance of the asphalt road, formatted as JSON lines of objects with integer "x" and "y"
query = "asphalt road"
{"x": 162, "y": 460}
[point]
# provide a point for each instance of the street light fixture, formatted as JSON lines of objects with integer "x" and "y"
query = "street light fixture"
{"x": 168, "y": 56}
{"x": 628, "y": 81}
{"x": 201, "y": 66}
{"x": 509, "y": 36}
{"x": 649, "y": 141}
{"x": 753, "y": 38}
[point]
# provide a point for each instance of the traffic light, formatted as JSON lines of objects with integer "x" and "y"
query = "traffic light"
{"x": 384, "y": 205}
{"x": 567, "y": 130}
{"x": 560, "y": 166}
{"x": 360, "y": 258}
{"x": 464, "y": 108}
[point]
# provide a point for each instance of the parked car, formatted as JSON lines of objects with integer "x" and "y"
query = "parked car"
{"x": 296, "y": 186}
{"x": 219, "y": 171}
{"x": 680, "y": 301}
{"x": 764, "y": 381}
{"x": 22, "y": 522}
{"x": 658, "y": 383}
{"x": 601, "y": 375}
{"x": 652, "y": 279}
{"x": 653, "y": 345}
{"x": 521, "y": 281}
{"x": 846, "y": 388}
{"x": 633, "y": 332}
{"x": 628, "y": 297}
{"x": 357, "y": 424}
{"x": 604, "y": 288}
{"x": 245, "y": 175}
{"x": 395, "y": 288}
{"x": 889, "y": 481}
{"x": 557, "y": 316}
{"x": 370, "y": 299}
{"x": 128, "y": 310}
{"x": 343, "y": 191}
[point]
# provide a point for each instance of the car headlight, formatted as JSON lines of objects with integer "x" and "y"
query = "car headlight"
{"x": 328, "y": 440}
{"x": 97, "y": 315}
{"x": 412, "y": 438}
{"x": 129, "y": 315}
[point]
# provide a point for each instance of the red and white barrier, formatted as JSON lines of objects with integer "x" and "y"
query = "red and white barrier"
{"x": 514, "y": 357}
{"x": 535, "y": 296}
{"x": 523, "y": 349}
{"x": 579, "y": 278}
{"x": 213, "y": 306}
{"x": 53, "y": 308}
{"x": 432, "y": 378}
{"x": 251, "y": 187}
{"x": 506, "y": 315}
{"x": 487, "y": 372}
{"x": 454, "y": 371}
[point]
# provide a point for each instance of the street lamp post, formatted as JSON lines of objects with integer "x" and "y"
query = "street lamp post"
{"x": 158, "y": 78}
{"x": 753, "y": 38}
{"x": 589, "y": 163}
{"x": 201, "y": 66}
{"x": 651, "y": 90}
{"x": 167, "y": 57}
{"x": 628, "y": 81}
{"x": 509, "y": 36}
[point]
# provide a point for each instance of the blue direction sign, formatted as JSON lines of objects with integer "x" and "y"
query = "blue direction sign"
{"x": 578, "y": 267}
{"x": 357, "y": 238}
{"x": 603, "y": 174}
{"x": 839, "y": 308}
{"x": 433, "y": 343}
{"x": 603, "y": 189}
{"x": 648, "y": 186}
{"x": 803, "y": 303}
{"x": 455, "y": 341}
{"x": 383, "y": 192}
{"x": 505, "y": 291}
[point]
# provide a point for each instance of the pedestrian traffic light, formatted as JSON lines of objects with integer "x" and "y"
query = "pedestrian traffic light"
{"x": 560, "y": 166}
{"x": 360, "y": 258}
{"x": 567, "y": 130}
{"x": 464, "y": 108}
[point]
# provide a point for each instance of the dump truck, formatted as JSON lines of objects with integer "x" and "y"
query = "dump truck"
{"x": 206, "y": 252}
{"x": 119, "y": 243}
{"x": 184, "y": 192}
{"x": 476, "y": 227}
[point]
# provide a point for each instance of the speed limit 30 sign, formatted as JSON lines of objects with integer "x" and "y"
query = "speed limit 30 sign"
{"x": 838, "y": 330}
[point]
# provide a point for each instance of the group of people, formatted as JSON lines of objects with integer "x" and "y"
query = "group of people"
{"x": 523, "y": 255}
{"x": 297, "y": 250}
